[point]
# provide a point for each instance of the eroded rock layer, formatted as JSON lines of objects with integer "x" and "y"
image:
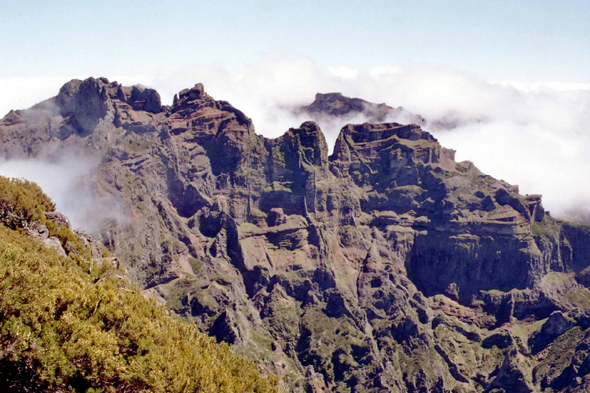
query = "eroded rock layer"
{"x": 387, "y": 266}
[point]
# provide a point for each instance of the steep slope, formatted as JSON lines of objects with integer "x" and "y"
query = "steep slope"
{"x": 387, "y": 266}
{"x": 71, "y": 321}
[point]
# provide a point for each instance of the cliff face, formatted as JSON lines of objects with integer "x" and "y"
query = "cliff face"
{"x": 387, "y": 266}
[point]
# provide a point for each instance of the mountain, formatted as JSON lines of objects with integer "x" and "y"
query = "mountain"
{"x": 386, "y": 266}
{"x": 340, "y": 106}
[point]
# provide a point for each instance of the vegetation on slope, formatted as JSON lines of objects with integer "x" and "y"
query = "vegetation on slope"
{"x": 63, "y": 329}
{"x": 22, "y": 202}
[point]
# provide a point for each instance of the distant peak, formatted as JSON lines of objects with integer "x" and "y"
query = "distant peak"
{"x": 322, "y": 95}
{"x": 336, "y": 104}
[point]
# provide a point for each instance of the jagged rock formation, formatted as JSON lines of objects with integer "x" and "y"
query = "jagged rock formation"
{"x": 386, "y": 266}
{"x": 340, "y": 106}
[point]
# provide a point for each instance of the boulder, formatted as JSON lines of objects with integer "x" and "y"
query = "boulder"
{"x": 53, "y": 242}
{"x": 59, "y": 219}
{"x": 38, "y": 231}
{"x": 275, "y": 217}
{"x": 554, "y": 326}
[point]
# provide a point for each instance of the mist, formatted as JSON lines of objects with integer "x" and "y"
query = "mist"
{"x": 65, "y": 182}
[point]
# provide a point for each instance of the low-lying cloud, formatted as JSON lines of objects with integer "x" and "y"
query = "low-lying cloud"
{"x": 64, "y": 181}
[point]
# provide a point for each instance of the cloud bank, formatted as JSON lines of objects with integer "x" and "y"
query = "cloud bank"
{"x": 63, "y": 181}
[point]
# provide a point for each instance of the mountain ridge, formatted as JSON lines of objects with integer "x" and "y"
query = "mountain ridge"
{"x": 385, "y": 266}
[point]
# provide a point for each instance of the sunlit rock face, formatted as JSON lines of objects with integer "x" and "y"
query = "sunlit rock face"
{"x": 386, "y": 266}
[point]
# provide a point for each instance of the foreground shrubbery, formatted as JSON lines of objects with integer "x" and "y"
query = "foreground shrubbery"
{"x": 62, "y": 329}
{"x": 22, "y": 202}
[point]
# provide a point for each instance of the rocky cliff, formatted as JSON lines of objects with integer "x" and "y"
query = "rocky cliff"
{"x": 386, "y": 266}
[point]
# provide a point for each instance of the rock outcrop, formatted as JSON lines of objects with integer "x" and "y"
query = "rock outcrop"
{"x": 337, "y": 105}
{"x": 387, "y": 266}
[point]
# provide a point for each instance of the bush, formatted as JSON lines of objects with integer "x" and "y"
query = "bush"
{"x": 59, "y": 330}
{"x": 22, "y": 202}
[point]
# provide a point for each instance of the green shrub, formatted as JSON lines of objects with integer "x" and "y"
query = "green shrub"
{"x": 59, "y": 330}
{"x": 22, "y": 202}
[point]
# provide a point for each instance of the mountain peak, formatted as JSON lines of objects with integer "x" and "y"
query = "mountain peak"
{"x": 341, "y": 106}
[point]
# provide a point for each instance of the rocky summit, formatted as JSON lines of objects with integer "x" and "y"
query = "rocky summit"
{"x": 337, "y": 105}
{"x": 386, "y": 266}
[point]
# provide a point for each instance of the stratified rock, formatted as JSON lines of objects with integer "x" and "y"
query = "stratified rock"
{"x": 510, "y": 377}
{"x": 501, "y": 340}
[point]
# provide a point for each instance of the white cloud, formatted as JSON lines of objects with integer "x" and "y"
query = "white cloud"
{"x": 539, "y": 86}
{"x": 22, "y": 92}
{"x": 386, "y": 71}
{"x": 63, "y": 181}
{"x": 344, "y": 72}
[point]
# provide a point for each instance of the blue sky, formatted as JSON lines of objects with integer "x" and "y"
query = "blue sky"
{"x": 497, "y": 40}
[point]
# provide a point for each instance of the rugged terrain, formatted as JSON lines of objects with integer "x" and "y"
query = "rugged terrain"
{"x": 337, "y": 105}
{"x": 70, "y": 320}
{"x": 386, "y": 266}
